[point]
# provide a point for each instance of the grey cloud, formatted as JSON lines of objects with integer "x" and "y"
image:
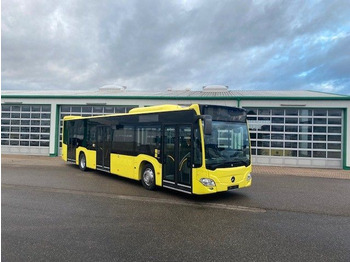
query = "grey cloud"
{"x": 160, "y": 44}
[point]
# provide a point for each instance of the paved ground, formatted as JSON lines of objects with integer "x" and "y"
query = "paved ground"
{"x": 306, "y": 172}
{"x": 266, "y": 170}
{"x": 51, "y": 211}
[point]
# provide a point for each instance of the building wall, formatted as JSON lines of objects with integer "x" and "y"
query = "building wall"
{"x": 51, "y": 147}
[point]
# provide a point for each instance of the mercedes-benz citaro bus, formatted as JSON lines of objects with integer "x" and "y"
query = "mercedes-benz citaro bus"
{"x": 197, "y": 149}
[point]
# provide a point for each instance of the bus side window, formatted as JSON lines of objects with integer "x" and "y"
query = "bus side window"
{"x": 123, "y": 141}
{"x": 148, "y": 139}
{"x": 65, "y": 132}
{"x": 79, "y": 133}
{"x": 91, "y": 137}
{"x": 71, "y": 132}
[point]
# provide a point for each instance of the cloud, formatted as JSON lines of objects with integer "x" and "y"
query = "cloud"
{"x": 261, "y": 45}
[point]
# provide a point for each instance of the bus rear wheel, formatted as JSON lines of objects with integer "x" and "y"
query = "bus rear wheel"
{"x": 82, "y": 162}
{"x": 148, "y": 177}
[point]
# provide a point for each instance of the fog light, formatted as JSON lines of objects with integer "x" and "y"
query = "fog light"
{"x": 249, "y": 177}
{"x": 207, "y": 181}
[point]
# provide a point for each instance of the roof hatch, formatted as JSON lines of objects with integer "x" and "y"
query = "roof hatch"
{"x": 111, "y": 88}
{"x": 215, "y": 88}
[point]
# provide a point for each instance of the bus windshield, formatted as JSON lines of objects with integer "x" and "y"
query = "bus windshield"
{"x": 227, "y": 146}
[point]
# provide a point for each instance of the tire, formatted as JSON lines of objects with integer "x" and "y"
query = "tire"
{"x": 82, "y": 162}
{"x": 148, "y": 177}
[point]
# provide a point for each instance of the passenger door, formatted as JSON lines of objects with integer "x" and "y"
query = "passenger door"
{"x": 177, "y": 157}
{"x": 103, "y": 147}
{"x": 72, "y": 141}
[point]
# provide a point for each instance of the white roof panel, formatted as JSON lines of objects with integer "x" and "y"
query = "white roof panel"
{"x": 171, "y": 93}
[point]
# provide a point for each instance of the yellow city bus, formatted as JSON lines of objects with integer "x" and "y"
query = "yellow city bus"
{"x": 197, "y": 149}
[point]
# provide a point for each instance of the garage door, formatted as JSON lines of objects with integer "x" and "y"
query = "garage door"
{"x": 296, "y": 137}
{"x": 25, "y": 129}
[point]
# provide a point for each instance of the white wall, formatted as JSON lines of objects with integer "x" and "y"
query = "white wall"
{"x": 142, "y": 102}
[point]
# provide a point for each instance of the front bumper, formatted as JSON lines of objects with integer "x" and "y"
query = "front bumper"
{"x": 225, "y": 179}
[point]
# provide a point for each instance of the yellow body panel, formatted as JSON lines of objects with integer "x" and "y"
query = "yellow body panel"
{"x": 151, "y": 109}
{"x": 64, "y": 152}
{"x": 141, "y": 159}
{"x": 131, "y": 166}
{"x": 71, "y": 117}
{"x": 123, "y": 166}
{"x": 90, "y": 157}
{"x": 222, "y": 178}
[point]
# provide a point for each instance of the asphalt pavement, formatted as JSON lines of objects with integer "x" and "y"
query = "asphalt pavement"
{"x": 51, "y": 211}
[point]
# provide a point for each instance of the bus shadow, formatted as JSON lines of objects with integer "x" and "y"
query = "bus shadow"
{"x": 160, "y": 191}
{"x": 106, "y": 175}
{"x": 214, "y": 198}
{"x": 114, "y": 177}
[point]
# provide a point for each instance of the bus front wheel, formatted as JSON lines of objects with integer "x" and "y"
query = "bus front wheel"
{"x": 148, "y": 177}
{"x": 82, "y": 162}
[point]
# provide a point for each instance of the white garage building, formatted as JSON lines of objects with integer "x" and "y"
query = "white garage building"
{"x": 288, "y": 128}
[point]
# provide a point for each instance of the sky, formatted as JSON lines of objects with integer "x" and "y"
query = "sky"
{"x": 180, "y": 44}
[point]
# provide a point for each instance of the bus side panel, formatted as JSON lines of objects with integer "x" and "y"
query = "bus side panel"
{"x": 64, "y": 152}
{"x": 123, "y": 166}
{"x": 131, "y": 167}
{"x": 90, "y": 157}
{"x": 156, "y": 165}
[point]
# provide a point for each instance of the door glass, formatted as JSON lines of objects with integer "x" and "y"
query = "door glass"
{"x": 107, "y": 146}
{"x": 169, "y": 153}
{"x": 71, "y": 140}
{"x": 184, "y": 164}
{"x": 99, "y": 147}
{"x": 103, "y": 147}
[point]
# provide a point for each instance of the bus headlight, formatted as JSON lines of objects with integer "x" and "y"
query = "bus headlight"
{"x": 207, "y": 182}
{"x": 249, "y": 177}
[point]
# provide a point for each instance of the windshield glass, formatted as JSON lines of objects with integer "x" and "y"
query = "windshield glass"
{"x": 227, "y": 146}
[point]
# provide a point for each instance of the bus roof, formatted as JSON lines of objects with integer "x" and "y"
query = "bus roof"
{"x": 142, "y": 110}
{"x": 151, "y": 109}
{"x": 71, "y": 117}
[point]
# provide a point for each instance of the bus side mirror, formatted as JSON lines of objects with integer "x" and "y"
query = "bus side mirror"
{"x": 208, "y": 124}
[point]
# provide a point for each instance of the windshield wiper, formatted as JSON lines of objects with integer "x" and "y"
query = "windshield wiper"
{"x": 246, "y": 162}
{"x": 234, "y": 163}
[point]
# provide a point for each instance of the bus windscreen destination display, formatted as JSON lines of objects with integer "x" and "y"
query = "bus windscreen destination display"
{"x": 224, "y": 113}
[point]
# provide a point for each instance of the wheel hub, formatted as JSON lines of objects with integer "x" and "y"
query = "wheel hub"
{"x": 148, "y": 177}
{"x": 82, "y": 162}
